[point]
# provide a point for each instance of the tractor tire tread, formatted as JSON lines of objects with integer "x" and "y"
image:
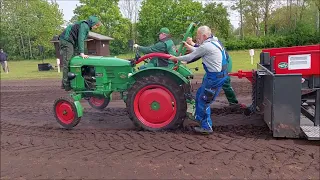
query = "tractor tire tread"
{"x": 102, "y": 107}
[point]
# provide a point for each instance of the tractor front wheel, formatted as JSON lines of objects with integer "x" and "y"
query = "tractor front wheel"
{"x": 99, "y": 102}
{"x": 65, "y": 113}
{"x": 156, "y": 103}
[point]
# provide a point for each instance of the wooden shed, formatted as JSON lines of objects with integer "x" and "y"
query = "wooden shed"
{"x": 96, "y": 44}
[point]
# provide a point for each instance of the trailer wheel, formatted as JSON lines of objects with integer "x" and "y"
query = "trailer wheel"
{"x": 99, "y": 102}
{"x": 65, "y": 112}
{"x": 156, "y": 103}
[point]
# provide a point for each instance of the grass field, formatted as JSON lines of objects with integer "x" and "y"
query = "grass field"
{"x": 28, "y": 69}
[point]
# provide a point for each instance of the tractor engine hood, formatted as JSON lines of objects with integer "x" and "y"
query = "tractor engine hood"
{"x": 78, "y": 61}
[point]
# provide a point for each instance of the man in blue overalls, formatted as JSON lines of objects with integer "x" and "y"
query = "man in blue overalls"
{"x": 215, "y": 64}
{"x": 227, "y": 88}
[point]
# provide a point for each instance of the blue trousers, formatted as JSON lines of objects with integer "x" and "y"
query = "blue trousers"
{"x": 206, "y": 94}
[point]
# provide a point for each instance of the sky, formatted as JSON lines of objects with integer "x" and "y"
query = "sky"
{"x": 67, "y": 7}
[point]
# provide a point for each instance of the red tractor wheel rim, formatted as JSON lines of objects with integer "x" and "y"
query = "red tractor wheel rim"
{"x": 155, "y": 106}
{"x": 96, "y": 101}
{"x": 64, "y": 112}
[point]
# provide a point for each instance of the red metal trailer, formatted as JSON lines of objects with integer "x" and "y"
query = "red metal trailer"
{"x": 286, "y": 88}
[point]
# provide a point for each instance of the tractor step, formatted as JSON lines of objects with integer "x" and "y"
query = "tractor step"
{"x": 312, "y": 132}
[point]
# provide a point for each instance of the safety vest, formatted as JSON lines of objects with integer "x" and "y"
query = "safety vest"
{"x": 170, "y": 49}
{"x": 224, "y": 69}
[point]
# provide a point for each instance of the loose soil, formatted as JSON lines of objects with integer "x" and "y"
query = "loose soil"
{"x": 105, "y": 144}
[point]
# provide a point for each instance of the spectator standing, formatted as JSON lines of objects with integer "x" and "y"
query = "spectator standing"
{"x": 4, "y": 61}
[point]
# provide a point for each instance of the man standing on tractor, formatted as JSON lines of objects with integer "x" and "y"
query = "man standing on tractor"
{"x": 164, "y": 45}
{"x": 227, "y": 88}
{"x": 215, "y": 64}
{"x": 72, "y": 38}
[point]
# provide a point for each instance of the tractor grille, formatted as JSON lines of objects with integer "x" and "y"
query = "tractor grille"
{"x": 110, "y": 73}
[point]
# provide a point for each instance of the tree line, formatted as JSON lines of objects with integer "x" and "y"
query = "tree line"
{"x": 25, "y": 25}
{"x": 276, "y": 23}
{"x": 263, "y": 23}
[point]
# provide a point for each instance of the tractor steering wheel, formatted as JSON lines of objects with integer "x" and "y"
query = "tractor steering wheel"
{"x": 138, "y": 56}
{"x": 151, "y": 55}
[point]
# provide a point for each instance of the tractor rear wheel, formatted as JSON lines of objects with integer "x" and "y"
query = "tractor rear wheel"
{"x": 156, "y": 103}
{"x": 66, "y": 113}
{"x": 99, "y": 102}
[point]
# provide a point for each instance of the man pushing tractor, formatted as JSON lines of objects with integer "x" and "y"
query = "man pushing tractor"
{"x": 215, "y": 64}
{"x": 227, "y": 88}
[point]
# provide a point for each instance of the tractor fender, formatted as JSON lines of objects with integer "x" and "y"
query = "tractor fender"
{"x": 154, "y": 70}
{"x": 79, "y": 108}
{"x": 76, "y": 101}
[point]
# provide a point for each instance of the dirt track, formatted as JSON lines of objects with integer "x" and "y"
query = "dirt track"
{"x": 105, "y": 145}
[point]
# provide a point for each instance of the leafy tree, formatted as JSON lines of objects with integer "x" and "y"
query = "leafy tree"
{"x": 130, "y": 10}
{"x": 280, "y": 24}
{"x": 28, "y": 24}
{"x": 174, "y": 14}
{"x": 153, "y": 15}
{"x": 114, "y": 25}
{"x": 184, "y": 12}
{"x": 216, "y": 16}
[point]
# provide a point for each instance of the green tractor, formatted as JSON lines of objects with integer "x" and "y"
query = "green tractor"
{"x": 157, "y": 98}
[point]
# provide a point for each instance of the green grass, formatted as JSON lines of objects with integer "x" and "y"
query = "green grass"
{"x": 240, "y": 61}
{"x": 28, "y": 69}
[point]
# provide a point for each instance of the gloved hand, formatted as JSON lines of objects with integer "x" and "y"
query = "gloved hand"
{"x": 135, "y": 46}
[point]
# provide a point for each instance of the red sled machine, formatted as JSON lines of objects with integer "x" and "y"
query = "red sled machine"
{"x": 286, "y": 89}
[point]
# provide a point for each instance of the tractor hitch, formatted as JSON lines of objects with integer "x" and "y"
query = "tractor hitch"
{"x": 244, "y": 74}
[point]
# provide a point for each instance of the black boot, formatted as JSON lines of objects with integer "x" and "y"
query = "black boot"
{"x": 67, "y": 87}
{"x": 62, "y": 85}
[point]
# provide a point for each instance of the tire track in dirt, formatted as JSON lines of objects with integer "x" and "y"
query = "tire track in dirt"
{"x": 239, "y": 146}
{"x": 38, "y": 141}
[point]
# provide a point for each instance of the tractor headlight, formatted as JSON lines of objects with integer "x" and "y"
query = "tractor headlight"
{"x": 130, "y": 74}
{"x": 71, "y": 75}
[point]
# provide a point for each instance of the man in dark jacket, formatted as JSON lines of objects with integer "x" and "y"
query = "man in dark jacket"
{"x": 72, "y": 38}
{"x": 3, "y": 61}
{"x": 164, "y": 45}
